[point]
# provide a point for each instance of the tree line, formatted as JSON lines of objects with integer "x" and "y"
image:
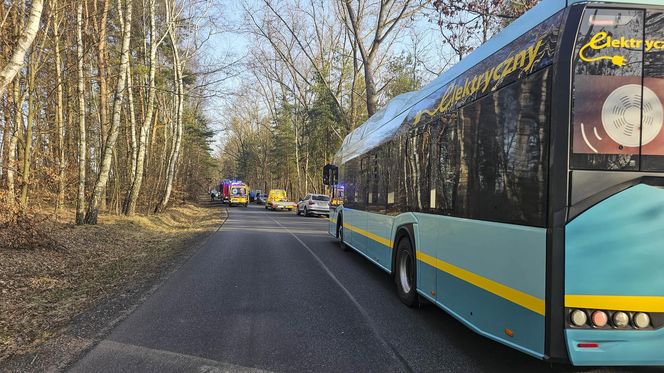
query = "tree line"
{"x": 318, "y": 69}
{"x": 103, "y": 105}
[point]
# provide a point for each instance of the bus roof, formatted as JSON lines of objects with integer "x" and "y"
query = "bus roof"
{"x": 385, "y": 123}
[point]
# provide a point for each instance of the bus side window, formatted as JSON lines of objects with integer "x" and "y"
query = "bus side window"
{"x": 362, "y": 186}
{"x": 350, "y": 180}
{"x": 503, "y": 174}
{"x": 447, "y": 162}
{"x": 395, "y": 175}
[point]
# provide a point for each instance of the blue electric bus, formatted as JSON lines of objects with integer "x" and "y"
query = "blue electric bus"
{"x": 522, "y": 191}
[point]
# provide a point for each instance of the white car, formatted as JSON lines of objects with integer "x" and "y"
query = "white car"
{"x": 314, "y": 204}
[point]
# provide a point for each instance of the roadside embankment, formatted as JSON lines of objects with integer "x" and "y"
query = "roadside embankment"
{"x": 74, "y": 269}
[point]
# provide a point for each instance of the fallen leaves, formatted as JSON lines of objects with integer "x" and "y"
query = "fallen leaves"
{"x": 52, "y": 272}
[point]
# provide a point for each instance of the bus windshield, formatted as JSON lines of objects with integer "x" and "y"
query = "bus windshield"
{"x": 617, "y": 112}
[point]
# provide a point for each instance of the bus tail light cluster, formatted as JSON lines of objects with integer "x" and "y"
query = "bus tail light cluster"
{"x": 615, "y": 319}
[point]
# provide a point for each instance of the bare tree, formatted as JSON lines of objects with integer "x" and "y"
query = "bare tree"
{"x": 102, "y": 178}
{"x": 82, "y": 144}
{"x": 59, "y": 115}
{"x": 466, "y": 24}
{"x": 8, "y": 73}
{"x": 137, "y": 172}
{"x": 390, "y": 14}
{"x": 178, "y": 107}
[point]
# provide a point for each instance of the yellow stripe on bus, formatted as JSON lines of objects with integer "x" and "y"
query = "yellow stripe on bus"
{"x": 634, "y": 303}
{"x": 369, "y": 235}
{"x": 515, "y": 296}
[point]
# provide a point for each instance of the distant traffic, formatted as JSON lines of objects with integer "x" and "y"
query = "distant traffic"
{"x": 237, "y": 193}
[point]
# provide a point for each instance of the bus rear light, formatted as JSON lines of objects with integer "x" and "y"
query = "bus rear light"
{"x": 588, "y": 345}
{"x": 578, "y": 318}
{"x": 599, "y": 319}
{"x": 620, "y": 319}
{"x": 641, "y": 320}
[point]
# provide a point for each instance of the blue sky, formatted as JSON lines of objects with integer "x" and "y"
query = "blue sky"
{"x": 231, "y": 15}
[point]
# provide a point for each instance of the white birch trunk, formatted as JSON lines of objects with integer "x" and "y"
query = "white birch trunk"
{"x": 82, "y": 145}
{"x": 137, "y": 178}
{"x": 177, "y": 139}
{"x": 8, "y": 73}
{"x": 59, "y": 117}
{"x": 102, "y": 177}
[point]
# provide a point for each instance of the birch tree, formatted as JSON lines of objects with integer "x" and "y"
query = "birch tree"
{"x": 178, "y": 107}
{"x": 137, "y": 177}
{"x": 59, "y": 115}
{"x": 82, "y": 143}
{"x": 17, "y": 60}
{"x": 102, "y": 178}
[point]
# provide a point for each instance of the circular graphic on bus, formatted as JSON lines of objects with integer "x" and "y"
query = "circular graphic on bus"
{"x": 621, "y": 119}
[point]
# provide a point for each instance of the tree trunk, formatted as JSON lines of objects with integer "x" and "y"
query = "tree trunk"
{"x": 102, "y": 178}
{"x": 103, "y": 85}
{"x": 13, "y": 141}
{"x": 175, "y": 151}
{"x": 82, "y": 145}
{"x": 132, "y": 124}
{"x": 8, "y": 73}
{"x": 6, "y": 136}
{"x": 142, "y": 138}
{"x": 27, "y": 140}
{"x": 59, "y": 121}
{"x": 370, "y": 87}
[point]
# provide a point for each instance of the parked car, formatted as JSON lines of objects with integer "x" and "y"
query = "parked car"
{"x": 314, "y": 204}
{"x": 253, "y": 196}
{"x": 278, "y": 200}
{"x": 261, "y": 199}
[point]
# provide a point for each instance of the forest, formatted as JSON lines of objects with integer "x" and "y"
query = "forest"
{"x": 100, "y": 101}
{"x": 318, "y": 69}
{"x": 114, "y": 106}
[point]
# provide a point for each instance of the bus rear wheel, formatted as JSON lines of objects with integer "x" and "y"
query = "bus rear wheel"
{"x": 405, "y": 273}
{"x": 340, "y": 237}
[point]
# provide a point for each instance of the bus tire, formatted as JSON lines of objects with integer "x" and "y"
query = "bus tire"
{"x": 340, "y": 236}
{"x": 405, "y": 273}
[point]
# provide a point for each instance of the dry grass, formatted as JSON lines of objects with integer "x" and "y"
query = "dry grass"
{"x": 43, "y": 287}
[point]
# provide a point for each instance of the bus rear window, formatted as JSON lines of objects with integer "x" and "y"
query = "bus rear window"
{"x": 617, "y": 112}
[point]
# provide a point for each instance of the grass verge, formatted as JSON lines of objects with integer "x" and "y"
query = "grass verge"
{"x": 43, "y": 289}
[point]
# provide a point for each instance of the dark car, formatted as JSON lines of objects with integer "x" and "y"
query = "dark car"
{"x": 261, "y": 199}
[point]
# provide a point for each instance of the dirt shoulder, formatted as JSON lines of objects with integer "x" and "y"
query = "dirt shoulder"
{"x": 56, "y": 301}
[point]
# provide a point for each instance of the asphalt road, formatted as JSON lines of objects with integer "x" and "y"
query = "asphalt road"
{"x": 272, "y": 291}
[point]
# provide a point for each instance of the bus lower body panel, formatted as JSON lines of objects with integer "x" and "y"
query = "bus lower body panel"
{"x": 614, "y": 261}
{"x": 490, "y": 276}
